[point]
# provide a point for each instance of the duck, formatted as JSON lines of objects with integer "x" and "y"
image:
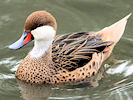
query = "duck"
{"x": 69, "y": 58}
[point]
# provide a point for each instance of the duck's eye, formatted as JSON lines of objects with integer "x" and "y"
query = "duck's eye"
{"x": 40, "y": 25}
{"x": 36, "y": 26}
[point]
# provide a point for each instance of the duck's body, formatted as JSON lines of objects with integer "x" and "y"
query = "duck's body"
{"x": 72, "y": 58}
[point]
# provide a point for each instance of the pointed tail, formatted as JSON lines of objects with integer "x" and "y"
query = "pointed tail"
{"x": 112, "y": 33}
{"x": 115, "y": 31}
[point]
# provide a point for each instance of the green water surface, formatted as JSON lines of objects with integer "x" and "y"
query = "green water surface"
{"x": 115, "y": 78}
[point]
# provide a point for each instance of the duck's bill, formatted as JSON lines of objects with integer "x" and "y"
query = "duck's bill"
{"x": 25, "y": 38}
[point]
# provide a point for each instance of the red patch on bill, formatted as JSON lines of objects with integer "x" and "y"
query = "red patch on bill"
{"x": 28, "y": 38}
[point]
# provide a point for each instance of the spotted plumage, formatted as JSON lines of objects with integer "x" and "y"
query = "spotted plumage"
{"x": 72, "y": 58}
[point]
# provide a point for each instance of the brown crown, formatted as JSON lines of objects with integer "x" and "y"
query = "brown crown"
{"x": 39, "y": 18}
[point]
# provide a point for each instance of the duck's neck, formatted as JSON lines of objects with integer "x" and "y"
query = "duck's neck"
{"x": 43, "y": 36}
{"x": 40, "y": 48}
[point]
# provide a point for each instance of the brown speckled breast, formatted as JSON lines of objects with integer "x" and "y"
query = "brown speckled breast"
{"x": 35, "y": 70}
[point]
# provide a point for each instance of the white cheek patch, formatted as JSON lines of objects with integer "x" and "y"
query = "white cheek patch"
{"x": 43, "y": 33}
{"x": 43, "y": 36}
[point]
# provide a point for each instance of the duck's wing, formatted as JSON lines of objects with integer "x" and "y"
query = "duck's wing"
{"x": 75, "y": 50}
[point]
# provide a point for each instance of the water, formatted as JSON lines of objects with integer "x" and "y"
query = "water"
{"x": 114, "y": 80}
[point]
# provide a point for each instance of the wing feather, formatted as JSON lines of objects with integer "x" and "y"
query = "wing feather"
{"x": 72, "y": 51}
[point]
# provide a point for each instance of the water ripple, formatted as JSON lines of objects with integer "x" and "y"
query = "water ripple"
{"x": 11, "y": 63}
{"x": 9, "y": 76}
{"x": 4, "y": 19}
{"x": 123, "y": 68}
{"x": 129, "y": 39}
{"x": 68, "y": 98}
{"x": 121, "y": 92}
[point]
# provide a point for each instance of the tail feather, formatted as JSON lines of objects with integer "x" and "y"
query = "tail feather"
{"x": 115, "y": 31}
{"x": 112, "y": 33}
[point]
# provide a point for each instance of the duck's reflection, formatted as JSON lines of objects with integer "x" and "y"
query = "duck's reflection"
{"x": 34, "y": 91}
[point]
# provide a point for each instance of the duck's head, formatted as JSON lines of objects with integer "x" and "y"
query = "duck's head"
{"x": 39, "y": 26}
